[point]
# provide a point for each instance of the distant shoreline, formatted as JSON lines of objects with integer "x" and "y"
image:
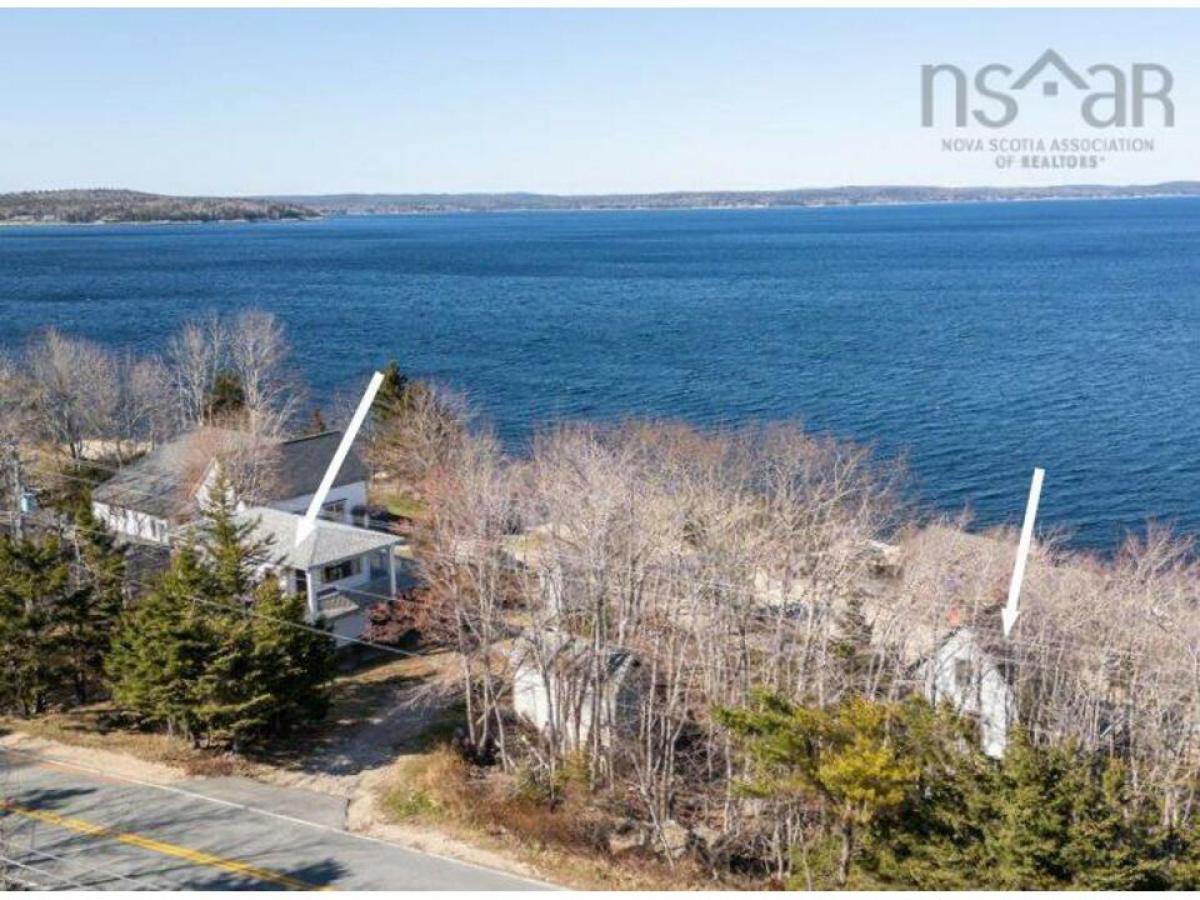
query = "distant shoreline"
{"x": 820, "y": 198}
{"x": 963, "y": 196}
{"x": 12, "y": 223}
{"x": 116, "y": 206}
{"x": 877, "y": 204}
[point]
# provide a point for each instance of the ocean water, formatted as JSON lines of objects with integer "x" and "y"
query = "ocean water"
{"x": 979, "y": 340}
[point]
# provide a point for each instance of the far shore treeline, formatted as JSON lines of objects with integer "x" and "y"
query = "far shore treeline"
{"x": 122, "y": 206}
{"x": 85, "y": 207}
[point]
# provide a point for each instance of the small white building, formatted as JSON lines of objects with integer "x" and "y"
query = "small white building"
{"x": 555, "y": 686}
{"x": 964, "y": 673}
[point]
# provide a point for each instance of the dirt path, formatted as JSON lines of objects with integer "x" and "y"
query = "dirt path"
{"x": 378, "y": 713}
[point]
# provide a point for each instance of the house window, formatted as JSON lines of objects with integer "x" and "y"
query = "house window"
{"x": 379, "y": 563}
{"x": 345, "y": 569}
{"x": 335, "y": 510}
{"x": 964, "y": 673}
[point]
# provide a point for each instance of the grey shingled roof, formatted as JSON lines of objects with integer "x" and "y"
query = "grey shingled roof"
{"x": 303, "y": 462}
{"x": 163, "y": 482}
{"x": 330, "y": 542}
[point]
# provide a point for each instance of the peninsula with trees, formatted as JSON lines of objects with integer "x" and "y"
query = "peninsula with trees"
{"x": 85, "y": 207}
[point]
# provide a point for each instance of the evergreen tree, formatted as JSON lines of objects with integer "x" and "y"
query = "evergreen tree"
{"x": 233, "y": 554}
{"x": 1178, "y": 855}
{"x": 226, "y": 397}
{"x": 35, "y": 586}
{"x": 1024, "y": 842}
{"x": 393, "y": 395}
{"x": 1106, "y": 846}
{"x": 92, "y": 608}
{"x": 217, "y": 652}
{"x": 297, "y": 663}
{"x": 272, "y": 673}
{"x": 162, "y": 648}
{"x": 845, "y": 757}
{"x": 934, "y": 841}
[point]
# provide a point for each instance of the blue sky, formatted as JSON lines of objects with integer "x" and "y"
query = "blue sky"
{"x": 307, "y": 101}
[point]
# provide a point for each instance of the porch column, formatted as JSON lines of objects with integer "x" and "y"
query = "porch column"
{"x": 313, "y": 609}
{"x": 391, "y": 552}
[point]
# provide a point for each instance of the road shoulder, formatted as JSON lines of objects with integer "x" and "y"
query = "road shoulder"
{"x": 272, "y": 795}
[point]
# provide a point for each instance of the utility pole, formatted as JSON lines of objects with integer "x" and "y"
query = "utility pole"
{"x": 18, "y": 488}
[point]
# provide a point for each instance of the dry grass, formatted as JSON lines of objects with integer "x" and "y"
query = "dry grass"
{"x": 356, "y": 697}
{"x": 492, "y": 810}
{"x": 398, "y": 498}
{"x": 95, "y": 727}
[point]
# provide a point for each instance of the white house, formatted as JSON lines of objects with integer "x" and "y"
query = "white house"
{"x": 342, "y": 567}
{"x": 964, "y": 673}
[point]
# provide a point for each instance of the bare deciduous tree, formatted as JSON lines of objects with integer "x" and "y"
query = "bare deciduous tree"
{"x": 259, "y": 356}
{"x": 73, "y": 384}
{"x": 416, "y": 442}
{"x": 769, "y": 558}
{"x": 194, "y": 359}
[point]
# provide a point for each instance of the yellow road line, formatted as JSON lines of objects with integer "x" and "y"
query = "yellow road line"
{"x": 195, "y": 857}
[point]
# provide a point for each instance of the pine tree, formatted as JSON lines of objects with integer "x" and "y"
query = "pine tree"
{"x": 844, "y": 756}
{"x": 226, "y": 398}
{"x": 91, "y": 609}
{"x": 230, "y": 549}
{"x": 271, "y": 672}
{"x": 1025, "y": 839}
{"x": 162, "y": 648}
{"x": 218, "y": 652}
{"x": 393, "y": 395}
{"x": 934, "y": 842}
{"x": 35, "y": 585}
{"x": 1106, "y": 846}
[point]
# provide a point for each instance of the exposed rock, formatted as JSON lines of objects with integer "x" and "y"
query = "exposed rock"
{"x": 629, "y": 835}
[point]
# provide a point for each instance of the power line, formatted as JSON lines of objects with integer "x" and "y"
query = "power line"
{"x": 70, "y": 882}
{"x": 734, "y": 589}
{"x": 744, "y": 591}
{"x": 93, "y": 868}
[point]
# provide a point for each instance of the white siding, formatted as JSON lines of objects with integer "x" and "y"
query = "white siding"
{"x": 964, "y": 674}
{"x": 569, "y": 707}
{"x": 352, "y": 495}
{"x": 133, "y": 524}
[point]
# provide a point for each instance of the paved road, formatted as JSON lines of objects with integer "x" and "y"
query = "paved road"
{"x": 76, "y": 829}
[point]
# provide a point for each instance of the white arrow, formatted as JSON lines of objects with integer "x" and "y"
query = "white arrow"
{"x": 1014, "y": 589}
{"x": 309, "y": 522}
